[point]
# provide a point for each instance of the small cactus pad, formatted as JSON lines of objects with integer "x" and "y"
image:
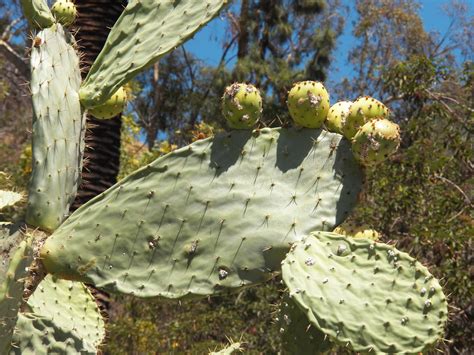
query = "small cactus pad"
{"x": 112, "y": 107}
{"x": 308, "y": 103}
{"x": 62, "y": 318}
{"x": 146, "y": 30}
{"x": 58, "y": 128}
{"x": 219, "y": 213}
{"x": 241, "y": 105}
{"x": 37, "y": 13}
{"x": 354, "y": 230}
{"x": 363, "y": 110}
{"x": 9, "y": 198}
{"x": 299, "y": 336}
{"x": 337, "y": 116}
{"x": 376, "y": 141}
{"x": 64, "y": 11}
{"x": 16, "y": 254}
{"x": 365, "y": 294}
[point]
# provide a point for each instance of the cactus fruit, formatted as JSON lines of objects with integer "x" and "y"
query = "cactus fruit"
{"x": 363, "y": 110}
{"x": 37, "y": 13}
{"x": 146, "y": 30}
{"x": 337, "y": 116}
{"x": 308, "y": 103}
{"x": 64, "y": 11}
{"x": 112, "y": 107}
{"x": 58, "y": 128}
{"x": 364, "y": 294}
{"x": 9, "y": 198}
{"x": 375, "y": 141}
{"x": 354, "y": 230}
{"x": 16, "y": 254}
{"x": 219, "y": 213}
{"x": 61, "y": 318}
{"x": 241, "y": 105}
{"x": 298, "y": 335}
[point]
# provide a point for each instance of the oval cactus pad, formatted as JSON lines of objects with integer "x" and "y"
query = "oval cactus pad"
{"x": 365, "y": 294}
{"x": 219, "y": 213}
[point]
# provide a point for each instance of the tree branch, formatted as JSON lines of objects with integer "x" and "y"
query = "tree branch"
{"x": 13, "y": 57}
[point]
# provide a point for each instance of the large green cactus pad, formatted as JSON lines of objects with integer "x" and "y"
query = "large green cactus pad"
{"x": 16, "y": 255}
{"x": 146, "y": 30}
{"x": 298, "y": 335}
{"x": 37, "y": 13}
{"x": 365, "y": 294}
{"x": 63, "y": 318}
{"x": 220, "y": 213}
{"x": 58, "y": 128}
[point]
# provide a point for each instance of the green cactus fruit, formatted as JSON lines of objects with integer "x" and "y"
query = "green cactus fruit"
{"x": 64, "y": 11}
{"x": 337, "y": 116}
{"x": 61, "y": 318}
{"x": 9, "y": 198}
{"x": 145, "y": 31}
{"x": 112, "y": 107}
{"x": 308, "y": 103}
{"x": 364, "y": 294}
{"x": 298, "y": 335}
{"x": 58, "y": 128}
{"x": 354, "y": 230}
{"x": 16, "y": 254}
{"x": 217, "y": 214}
{"x": 241, "y": 105}
{"x": 376, "y": 141}
{"x": 363, "y": 110}
{"x": 37, "y": 13}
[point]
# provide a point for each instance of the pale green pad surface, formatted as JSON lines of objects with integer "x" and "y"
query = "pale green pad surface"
{"x": 146, "y": 30}
{"x": 64, "y": 319}
{"x": 9, "y": 198}
{"x": 58, "y": 128}
{"x": 298, "y": 335}
{"x": 37, "y": 13}
{"x": 16, "y": 254}
{"x": 221, "y": 212}
{"x": 367, "y": 294}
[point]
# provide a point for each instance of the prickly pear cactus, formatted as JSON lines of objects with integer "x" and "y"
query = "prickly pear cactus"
{"x": 62, "y": 317}
{"x": 112, "y": 107}
{"x": 308, "y": 103}
{"x": 146, "y": 30}
{"x": 363, "y": 110}
{"x": 298, "y": 335}
{"x": 337, "y": 116}
{"x": 64, "y": 11}
{"x": 58, "y": 128}
{"x": 16, "y": 255}
{"x": 241, "y": 105}
{"x": 38, "y": 13}
{"x": 220, "y": 213}
{"x": 365, "y": 294}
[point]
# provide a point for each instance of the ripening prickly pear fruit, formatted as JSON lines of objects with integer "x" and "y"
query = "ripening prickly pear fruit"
{"x": 241, "y": 105}
{"x": 308, "y": 103}
{"x": 354, "y": 230}
{"x": 112, "y": 107}
{"x": 375, "y": 141}
{"x": 337, "y": 116}
{"x": 64, "y": 11}
{"x": 362, "y": 111}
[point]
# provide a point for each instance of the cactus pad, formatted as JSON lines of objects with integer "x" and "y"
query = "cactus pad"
{"x": 219, "y": 213}
{"x": 37, "y": 13}
{"x": 63, "y": 318}
{"x": 365, "y": 294}
{"x": 146, "y": 30}
{"x": 58, "y": 128}
{"x": 16, "y": 254}
{"x": 299, "y": 336}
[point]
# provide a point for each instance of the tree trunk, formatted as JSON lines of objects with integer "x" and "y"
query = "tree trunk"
{"x": 102, "y": 152}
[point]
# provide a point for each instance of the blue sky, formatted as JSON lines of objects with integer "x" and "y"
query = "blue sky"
{"x": 207, "y": 43}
